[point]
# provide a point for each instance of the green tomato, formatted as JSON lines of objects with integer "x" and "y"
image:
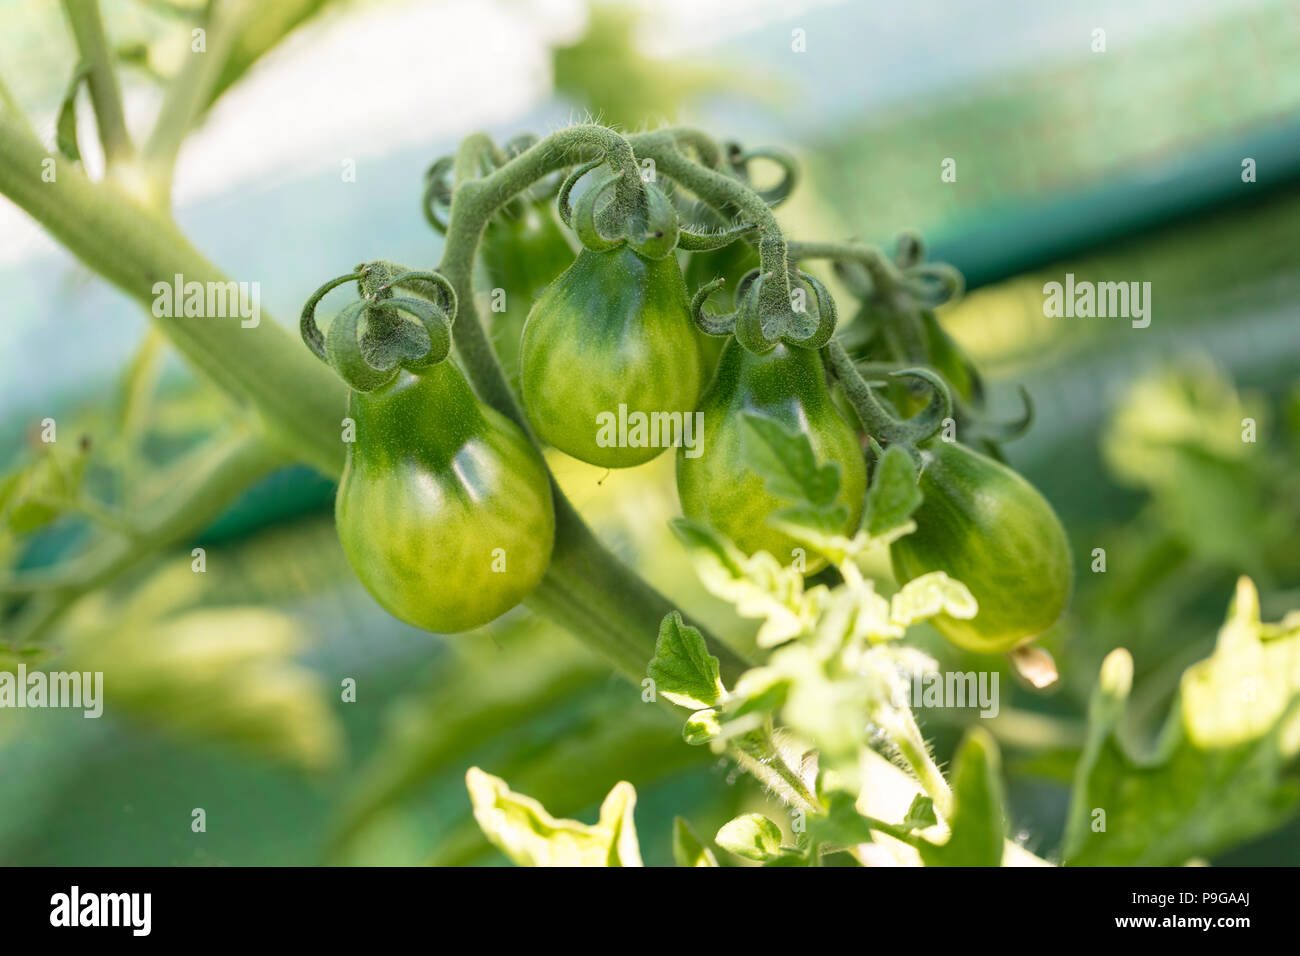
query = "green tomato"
{"x": 445, "y": 509}
{"x": 720, "y": 489}
{"x": 521, "y": 256}
{"x": 989, "y": 528}
{"x": 614, "y": 330}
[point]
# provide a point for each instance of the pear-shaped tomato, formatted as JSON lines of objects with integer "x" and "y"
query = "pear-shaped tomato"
{"x": 522, "y": 254}
{"x": 444, "y": 510}
{"x": 610, "y": 362}
{"x": 989, "y": 528}
{"x": 716, "y": 484}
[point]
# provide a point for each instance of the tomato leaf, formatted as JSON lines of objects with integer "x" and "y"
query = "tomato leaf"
{"x": 920, "y": 814}
{"x": 65, "y": 128}
{"x": 1220, "y": 773}
{"x": 758, "y": 586}
{"x": 930, "y": 595}
{"x": 687, "y": 849}
{"x": 893, "y": 494}
{"x": 978, "y": 832}
{"x": 521, "y": 828}
{"x": 702, "y": 727}
{"x": 37, "y": 493}
{"x": 786, "y": 461}
{"x": 752, "y": 836}
{"x": 683, "y": 669}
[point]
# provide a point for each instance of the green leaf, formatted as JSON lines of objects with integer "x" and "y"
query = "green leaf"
{"x": 225, "y": 673}
{"x": 687, "y": 849}
{"x": 683, "y": 669}
{"x": 893, "y": 495}
{"x": 521, "y": 828}
{"x": 1222, "y": 768}
{"x": 842, "y": 824}
{"x": 752, "y": 836}
{"x": 37, "y": 493}
{"x": 930, "y": 595}
{"x": 65, "y": 129}
{"x": 978, "y": 832}
{"x": 758, "y": 586}
{"x": 787, "y": 463}
{"x": 920, "y": 815}
{"x": 702, "y": 727}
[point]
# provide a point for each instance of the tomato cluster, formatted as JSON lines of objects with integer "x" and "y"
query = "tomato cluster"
{"x": 445, "y": 509}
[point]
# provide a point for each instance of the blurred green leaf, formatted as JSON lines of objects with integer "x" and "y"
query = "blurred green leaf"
{"x": 522, "y": 829}
{"x": 687, "y": 849}
{"x": 1222, "y": 768}
{"x": 978, "y": 820}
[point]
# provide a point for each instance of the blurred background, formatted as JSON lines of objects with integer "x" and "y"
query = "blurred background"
{"x": 1116, "y": 164}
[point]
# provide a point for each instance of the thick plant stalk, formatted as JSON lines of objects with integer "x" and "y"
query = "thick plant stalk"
{"x": 134, "y": 247}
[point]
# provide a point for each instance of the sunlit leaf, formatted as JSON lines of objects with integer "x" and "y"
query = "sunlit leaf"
{"x": 752, "y": 836}
{"x": 1220, "y": 772}
{"x": 521, "y": 828}
{"x": 683, "y": 669}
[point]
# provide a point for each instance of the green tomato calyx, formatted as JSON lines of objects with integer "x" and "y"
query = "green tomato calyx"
{"x": 371, "y": 339}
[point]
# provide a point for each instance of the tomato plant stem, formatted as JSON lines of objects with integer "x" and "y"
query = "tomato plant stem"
{"x": 92, "y": 45}
{"x": 188, "y": 94}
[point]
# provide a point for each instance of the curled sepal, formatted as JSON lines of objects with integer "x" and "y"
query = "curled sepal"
{"x": 708, "y": 241}
{"x": 909, "y": 249}
{"x": 437, "y": 193}
{"x": 878, "y": 421}
{"x": 432, "y": 285}
{"x": 739, "y": 159}
{"x": 343, "y": 348}
{"x": 583, "y": 217}
{"x": 654, "y": 231}
{"x": 307, "y": 326}
{"x": 828, "y": 316}
{"x": 372, "y": 338}
{"x": 432, "y": 319}
{"x": 711, "y": 323}
{"x": 931, "y": 418}
{"x": 641, "y": 215}
{"x": 973, "y": 427}
{"x": 563, "y": 203}
{"x": 804, "y": 316}
{"x": 934, "y": 283}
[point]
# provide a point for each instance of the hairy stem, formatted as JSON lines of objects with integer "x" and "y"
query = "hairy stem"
{"x": 900, "y": 726}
